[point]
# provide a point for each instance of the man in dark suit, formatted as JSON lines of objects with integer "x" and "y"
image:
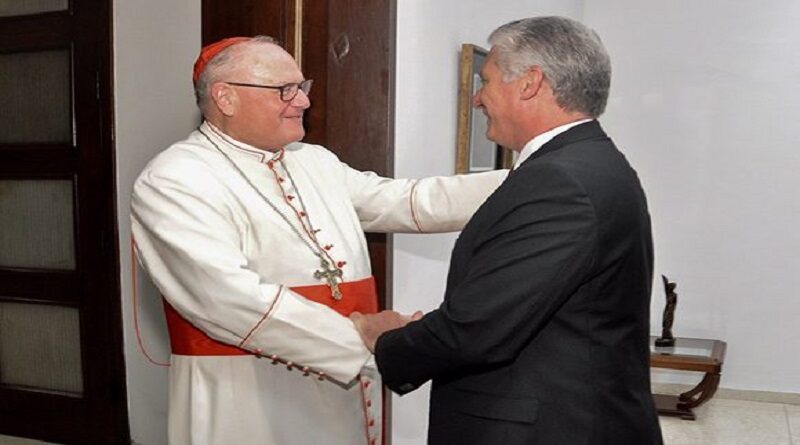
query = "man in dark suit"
{"x": 542, "y": 337}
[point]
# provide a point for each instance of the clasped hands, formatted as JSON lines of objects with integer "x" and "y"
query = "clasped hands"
{"x": 371, "y": 326}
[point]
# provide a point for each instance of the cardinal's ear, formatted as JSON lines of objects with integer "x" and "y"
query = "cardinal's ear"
{"x": 225, "y": 98}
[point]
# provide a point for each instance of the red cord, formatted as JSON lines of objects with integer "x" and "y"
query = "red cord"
{"x": 136, "y": 307}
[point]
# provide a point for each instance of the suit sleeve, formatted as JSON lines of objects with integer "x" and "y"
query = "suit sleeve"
{"x": 531, "y": 248}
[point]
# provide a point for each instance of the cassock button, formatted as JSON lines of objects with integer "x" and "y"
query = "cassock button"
{"x": 341, "y": 264}
{"x": 369, "y": 403}
{"x": 366, "y": 383}
{"x": 371, "y": 422}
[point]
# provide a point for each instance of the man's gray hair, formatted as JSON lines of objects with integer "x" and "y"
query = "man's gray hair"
{"x": 570, "y": 55}
{"x": 219, "y": 67}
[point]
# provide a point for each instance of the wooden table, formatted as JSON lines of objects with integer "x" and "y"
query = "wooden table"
{"x": 688, "y": 354}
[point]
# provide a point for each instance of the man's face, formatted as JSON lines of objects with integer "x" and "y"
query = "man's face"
{"x": 262, "y": 118}
{"x": 496, "y": 99}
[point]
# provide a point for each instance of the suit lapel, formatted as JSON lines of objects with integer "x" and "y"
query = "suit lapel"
{"x": 461, "y": 256}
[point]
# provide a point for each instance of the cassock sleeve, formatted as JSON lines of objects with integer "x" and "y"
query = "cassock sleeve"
{"x": 189, "y": 239}
{"x": 429, "y": 205}
{"x": 530, "y": 256}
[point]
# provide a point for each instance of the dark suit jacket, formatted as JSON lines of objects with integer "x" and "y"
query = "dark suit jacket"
{"x": 542, "y": 337}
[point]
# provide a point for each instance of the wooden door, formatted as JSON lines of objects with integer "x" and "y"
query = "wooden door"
{"x": 347, "y": 47}
{"x": 61, "y": 363}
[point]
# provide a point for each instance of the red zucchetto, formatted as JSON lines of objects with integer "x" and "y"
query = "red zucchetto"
{"x": 209, "y": 51}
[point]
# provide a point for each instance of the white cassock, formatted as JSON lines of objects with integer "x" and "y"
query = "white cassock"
{"x": 225, "y": 230}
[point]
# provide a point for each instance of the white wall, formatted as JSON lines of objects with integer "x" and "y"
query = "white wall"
{"x": 704, "y": 95}
{"x": 429, "y": 37}
{"x": 155, "y": 43}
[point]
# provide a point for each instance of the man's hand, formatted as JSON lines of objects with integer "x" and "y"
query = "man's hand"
{"x": 370, "y": 327}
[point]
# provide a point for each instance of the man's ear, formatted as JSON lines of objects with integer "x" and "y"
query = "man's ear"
{"x": 225, "y": 98}
{"x": 531, "y": 83}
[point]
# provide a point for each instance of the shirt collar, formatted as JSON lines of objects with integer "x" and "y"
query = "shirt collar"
{"x": 537, "y": 142}
{"x": 245, "y": 150}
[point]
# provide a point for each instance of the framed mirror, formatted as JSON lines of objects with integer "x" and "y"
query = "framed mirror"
{"x": 474, "y": 152}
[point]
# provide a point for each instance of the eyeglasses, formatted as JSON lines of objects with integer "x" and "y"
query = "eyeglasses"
{"x": 288, "y": 91}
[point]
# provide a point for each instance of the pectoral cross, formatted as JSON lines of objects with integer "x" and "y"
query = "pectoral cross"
{"x": 330, "y": 275}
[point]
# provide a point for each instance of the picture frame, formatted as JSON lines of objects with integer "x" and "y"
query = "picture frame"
{"x": 474, "y": 151}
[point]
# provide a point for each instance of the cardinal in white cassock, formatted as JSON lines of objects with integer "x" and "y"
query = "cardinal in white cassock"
{"x": 256, "y": 242}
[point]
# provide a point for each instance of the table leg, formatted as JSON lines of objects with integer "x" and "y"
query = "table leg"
{"x": 700, "y": 393}
{"x": 681, "y": 405}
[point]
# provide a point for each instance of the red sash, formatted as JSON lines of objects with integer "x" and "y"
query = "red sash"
{"x": 185, "y": 339}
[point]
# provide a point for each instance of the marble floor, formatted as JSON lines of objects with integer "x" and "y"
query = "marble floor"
{"x": 719, "y": 422}
{"x": 735, "y": 422}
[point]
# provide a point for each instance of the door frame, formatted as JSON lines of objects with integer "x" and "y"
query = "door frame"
{"x": 99, "y": 415}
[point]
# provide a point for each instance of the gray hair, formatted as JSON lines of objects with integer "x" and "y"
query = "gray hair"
{"x": 570, "y": 54}
{"x": 221, "y": 66}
